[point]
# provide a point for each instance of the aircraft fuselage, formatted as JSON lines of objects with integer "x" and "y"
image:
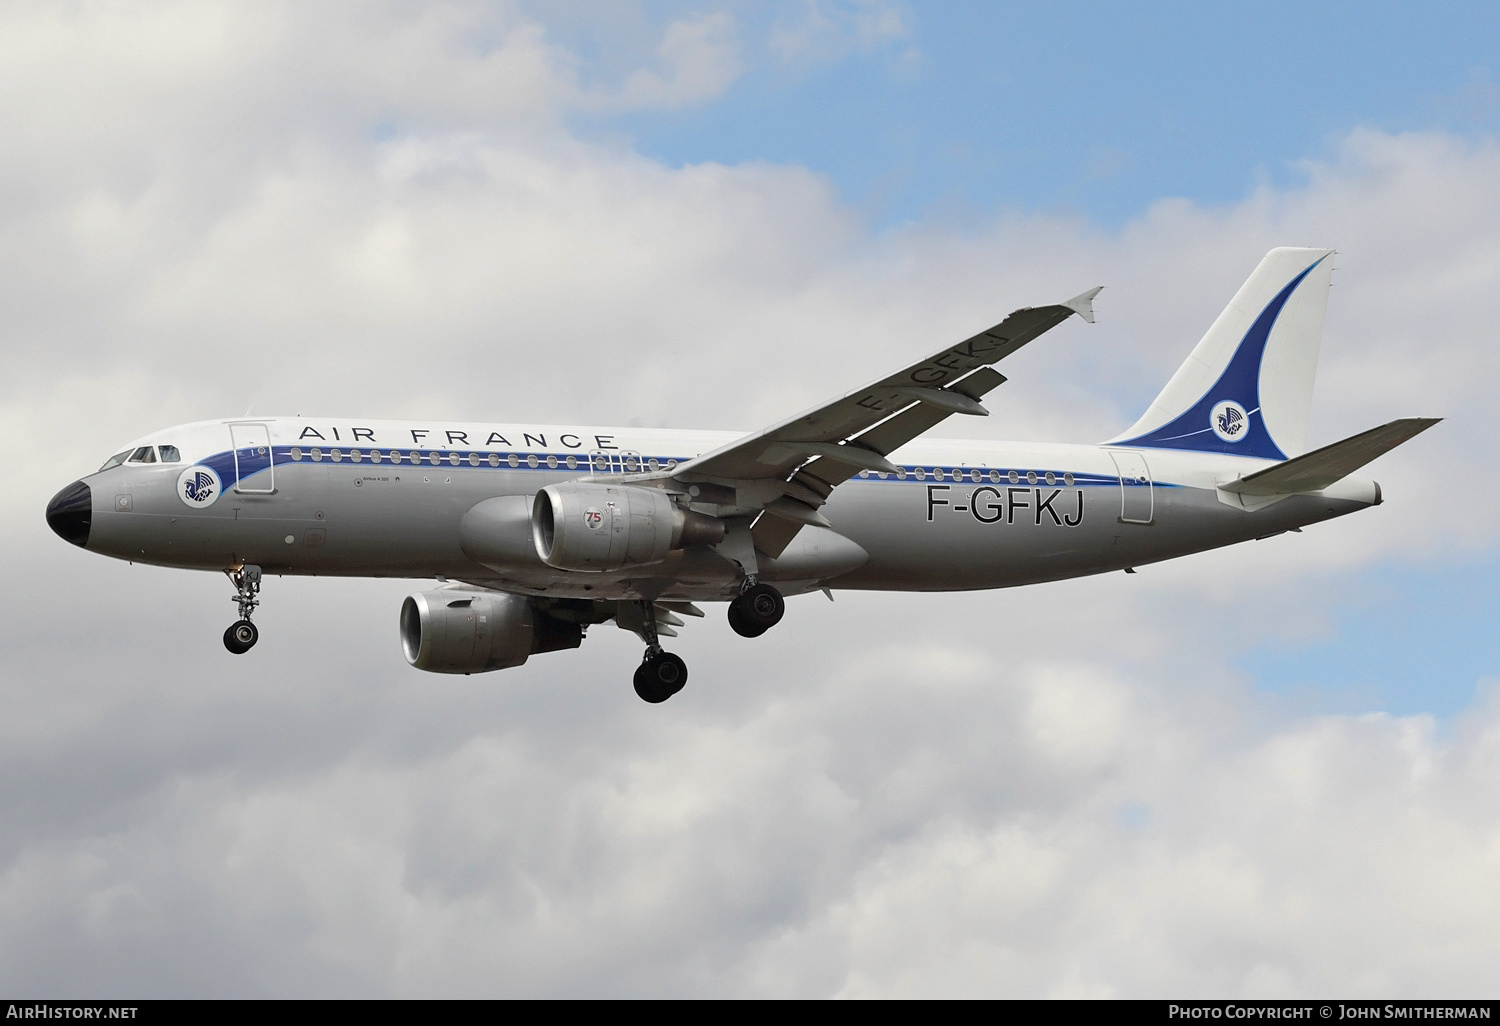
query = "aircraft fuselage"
{"x": 386, "y": 499}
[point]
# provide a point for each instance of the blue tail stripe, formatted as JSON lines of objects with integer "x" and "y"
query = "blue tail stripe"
{"x": 1239, "y": 383}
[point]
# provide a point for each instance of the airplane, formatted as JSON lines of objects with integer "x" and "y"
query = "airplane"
{"x": 536, "y": 533}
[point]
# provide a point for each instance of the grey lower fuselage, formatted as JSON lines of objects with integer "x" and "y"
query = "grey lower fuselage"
{"x": 961, "y": 515}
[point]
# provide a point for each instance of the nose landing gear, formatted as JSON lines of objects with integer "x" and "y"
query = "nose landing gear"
{"x": 758, "y": 609}
{"x": 241, "y": 635}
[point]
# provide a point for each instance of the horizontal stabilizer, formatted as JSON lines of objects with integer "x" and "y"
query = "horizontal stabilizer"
{"x": 1320, "y": 468}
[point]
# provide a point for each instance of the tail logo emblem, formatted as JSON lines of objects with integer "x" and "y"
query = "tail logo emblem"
{"x": 1230, "y": 421}
{"x": 198, "y": 486}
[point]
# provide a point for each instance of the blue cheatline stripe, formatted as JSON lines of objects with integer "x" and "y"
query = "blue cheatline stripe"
{"x": 287, "y": 456}
{"x": 1240, "y": 382}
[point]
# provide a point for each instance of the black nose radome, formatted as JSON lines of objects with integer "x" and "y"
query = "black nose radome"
{"x": 70, "y": 512}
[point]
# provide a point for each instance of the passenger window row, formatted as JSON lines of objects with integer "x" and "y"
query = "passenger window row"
{"x": 552, "y": 462}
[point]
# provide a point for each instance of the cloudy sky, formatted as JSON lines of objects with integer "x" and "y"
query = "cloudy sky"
{"x": 1272, "y": 770}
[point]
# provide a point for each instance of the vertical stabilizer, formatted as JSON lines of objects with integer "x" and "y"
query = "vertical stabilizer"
{"x": 1247, "y": 387}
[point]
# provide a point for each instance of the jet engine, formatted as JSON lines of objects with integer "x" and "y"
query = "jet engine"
{"x": 458, "y": 630}
{"x": 583, "y": 525}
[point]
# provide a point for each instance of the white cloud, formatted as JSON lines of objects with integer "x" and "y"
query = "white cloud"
{"x": 822, "y": 32}
{"x": 1060, "y": 790}
{"x": 700, "y": 56}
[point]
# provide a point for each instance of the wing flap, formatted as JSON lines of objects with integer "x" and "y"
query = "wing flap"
{"x": 1323, "y": 467}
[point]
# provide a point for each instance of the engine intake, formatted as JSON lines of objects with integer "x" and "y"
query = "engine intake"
{"x": 582, "y": 525}
{"x": 456, "y": 630}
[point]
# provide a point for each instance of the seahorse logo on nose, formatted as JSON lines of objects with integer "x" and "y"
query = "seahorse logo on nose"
{"x": 198, "y": 486}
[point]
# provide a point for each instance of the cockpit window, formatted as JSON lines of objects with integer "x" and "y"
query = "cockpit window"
{"x": 145, "y": 454}
{"x": 169, "y": 454}
{"x": 115, "y": 460}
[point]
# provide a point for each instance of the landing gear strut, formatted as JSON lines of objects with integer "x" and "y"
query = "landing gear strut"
{"x": 241, "y": 635}
{"x": 757, "y": 610}
{"x": 661, "y": 674}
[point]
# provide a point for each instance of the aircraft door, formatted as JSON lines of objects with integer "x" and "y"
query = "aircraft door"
{"x": 254, "y": 468}
{"x": 1137, "y": 495}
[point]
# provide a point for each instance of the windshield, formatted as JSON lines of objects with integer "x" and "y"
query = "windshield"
{"x": 115, "y": 460}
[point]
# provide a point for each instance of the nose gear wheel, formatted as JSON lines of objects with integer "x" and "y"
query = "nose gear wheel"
{"x": 241, "y": 636}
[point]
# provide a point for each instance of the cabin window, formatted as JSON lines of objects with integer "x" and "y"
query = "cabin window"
{"x": 169, "y": 454}
{"x": 116, "y": 460}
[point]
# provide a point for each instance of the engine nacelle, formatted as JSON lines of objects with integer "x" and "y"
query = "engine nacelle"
{"x": 583, "y": 525}
{"x": 456, "y": 630}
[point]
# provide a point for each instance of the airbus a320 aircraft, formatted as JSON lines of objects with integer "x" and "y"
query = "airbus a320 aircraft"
{"x": 539, "y": 532}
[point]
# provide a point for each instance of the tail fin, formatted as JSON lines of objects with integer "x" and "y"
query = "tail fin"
{"x": 1247, "y": 387}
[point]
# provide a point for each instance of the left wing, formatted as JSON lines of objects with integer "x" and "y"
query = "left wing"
{"x": 798, "y": 462}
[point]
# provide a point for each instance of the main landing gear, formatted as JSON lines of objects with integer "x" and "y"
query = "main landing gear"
{"x": 661, "y": 674}
{"x": 241, "y": 636}
{"x": 757, "y": 610}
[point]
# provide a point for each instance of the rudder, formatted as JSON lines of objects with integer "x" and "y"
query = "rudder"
{"x": 1246, "y": 389}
